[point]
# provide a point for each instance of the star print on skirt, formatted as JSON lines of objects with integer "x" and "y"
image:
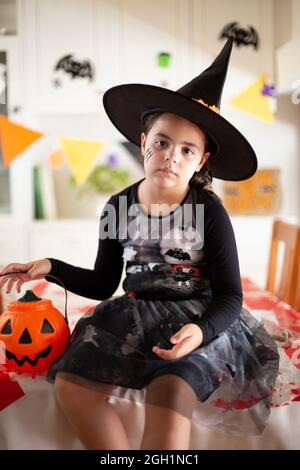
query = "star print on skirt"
{"x": 226, "y": 384}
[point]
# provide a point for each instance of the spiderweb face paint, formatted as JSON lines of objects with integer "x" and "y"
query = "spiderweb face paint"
{"x": 148, "y": 154}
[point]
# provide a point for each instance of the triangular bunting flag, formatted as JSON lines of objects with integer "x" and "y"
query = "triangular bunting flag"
{"x": 253, "y": 101}
{"x": 57, "y": 159}
{"x": 82, "y": 155}
{"x": 15, "y": 139}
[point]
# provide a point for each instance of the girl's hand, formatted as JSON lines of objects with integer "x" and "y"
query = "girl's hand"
{"x": 33, "y": 270}
{"x": 188, "y": 338}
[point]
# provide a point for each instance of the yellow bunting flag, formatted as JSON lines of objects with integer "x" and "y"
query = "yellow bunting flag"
{"x": 15, "y": 139}
{"x": 82, "y": 155}
{"x": 57, "y": 159}
{"x": 255, "y": 101}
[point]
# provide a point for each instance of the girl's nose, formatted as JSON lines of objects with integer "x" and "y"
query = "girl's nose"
{"x": 171, "y": 157}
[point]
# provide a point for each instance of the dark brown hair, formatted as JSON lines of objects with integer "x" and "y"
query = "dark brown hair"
{"x": 202, "y": 178}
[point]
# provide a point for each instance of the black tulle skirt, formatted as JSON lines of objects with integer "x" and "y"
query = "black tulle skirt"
{"x": 232, "y": 376}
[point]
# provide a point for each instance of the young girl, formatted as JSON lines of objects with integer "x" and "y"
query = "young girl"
{"x": 179, "y": 336}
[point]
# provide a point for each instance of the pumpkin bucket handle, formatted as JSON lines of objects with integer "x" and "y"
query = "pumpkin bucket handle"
{"x": 54, "y": 277}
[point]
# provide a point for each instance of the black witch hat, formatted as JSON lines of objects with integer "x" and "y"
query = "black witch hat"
{"x": 198, "y": 101}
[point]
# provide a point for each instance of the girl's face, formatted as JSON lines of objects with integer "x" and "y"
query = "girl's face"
{"x": 173, "y": 150}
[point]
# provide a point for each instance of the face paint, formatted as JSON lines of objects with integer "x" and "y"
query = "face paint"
{"x": 148, "y": 154}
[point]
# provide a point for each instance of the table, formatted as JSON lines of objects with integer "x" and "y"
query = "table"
{"x": 31, "y": 419}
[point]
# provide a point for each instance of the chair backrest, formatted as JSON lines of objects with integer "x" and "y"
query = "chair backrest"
{"x": 295, "y": 302}
{"x": 288, "y": 234}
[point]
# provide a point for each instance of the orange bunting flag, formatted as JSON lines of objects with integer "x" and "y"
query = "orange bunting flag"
{"x": 57, "y": 159}
{"x": 15, "y": 139}
{"x": 82, "y": 156}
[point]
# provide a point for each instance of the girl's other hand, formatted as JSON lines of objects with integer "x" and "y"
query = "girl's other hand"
{"x": 31, "y": 271}
{"x": 186, "y": 340}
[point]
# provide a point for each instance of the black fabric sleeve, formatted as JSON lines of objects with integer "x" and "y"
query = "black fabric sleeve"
{"x": 101, "y": 282}
{"x": 223, "y": 269}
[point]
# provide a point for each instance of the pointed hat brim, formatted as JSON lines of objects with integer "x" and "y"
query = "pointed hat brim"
{"x": 125, "y": 105}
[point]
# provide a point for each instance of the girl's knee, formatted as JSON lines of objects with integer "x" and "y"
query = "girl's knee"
{"x": 172, "y": 392}
{"x": 72, "y": 394}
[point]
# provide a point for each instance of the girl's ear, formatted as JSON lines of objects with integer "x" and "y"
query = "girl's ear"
{"x": 204, "y": 158}
{"x": 143, "y": 143}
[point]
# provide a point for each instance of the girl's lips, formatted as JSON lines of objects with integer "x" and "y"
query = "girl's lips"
{"x": 168, "y": 172}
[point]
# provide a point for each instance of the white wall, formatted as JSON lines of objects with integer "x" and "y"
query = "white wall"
{"x": 277, "y": 145}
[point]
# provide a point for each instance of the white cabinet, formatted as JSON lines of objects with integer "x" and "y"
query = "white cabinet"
{"x": 246, "y": 64}
{"x": 146, "y": 30}
{"x": 11, "y": 46}
{"x": 122, "y": 39}
{"x": 51, "y": 31}
{"x": 13, "y": 242}
{"x": 11, "y": 102}
{"x": 72, "y": 241}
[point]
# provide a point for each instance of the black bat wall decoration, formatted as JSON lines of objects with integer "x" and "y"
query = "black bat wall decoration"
{"x": 75, "y": 68}
{"x": 245, "y": 36}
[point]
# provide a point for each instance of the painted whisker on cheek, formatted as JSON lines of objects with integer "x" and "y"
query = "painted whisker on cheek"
{"x": 148, "y": 154}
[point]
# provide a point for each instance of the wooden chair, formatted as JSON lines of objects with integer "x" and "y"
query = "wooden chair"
{"x": 295, "y": 302}
{"x": 285, "y": 289}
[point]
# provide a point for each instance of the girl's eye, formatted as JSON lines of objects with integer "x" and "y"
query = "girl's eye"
{"x": 161, "y": 143}
{"x": 187, "y": 151}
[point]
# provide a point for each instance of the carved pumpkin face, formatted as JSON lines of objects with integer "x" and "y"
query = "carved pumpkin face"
{"x": 34, "y": 334}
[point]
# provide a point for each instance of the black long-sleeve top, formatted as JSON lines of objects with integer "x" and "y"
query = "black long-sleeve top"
{"x": 218, "y": 254}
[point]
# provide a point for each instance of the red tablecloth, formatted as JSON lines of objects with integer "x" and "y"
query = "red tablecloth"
{"x": 281, "y": 321}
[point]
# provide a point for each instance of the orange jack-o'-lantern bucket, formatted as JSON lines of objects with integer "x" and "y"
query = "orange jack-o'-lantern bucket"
{"x": 34, "y": 334}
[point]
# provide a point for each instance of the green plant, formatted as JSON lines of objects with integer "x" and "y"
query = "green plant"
{"x": 105, "y": 178}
